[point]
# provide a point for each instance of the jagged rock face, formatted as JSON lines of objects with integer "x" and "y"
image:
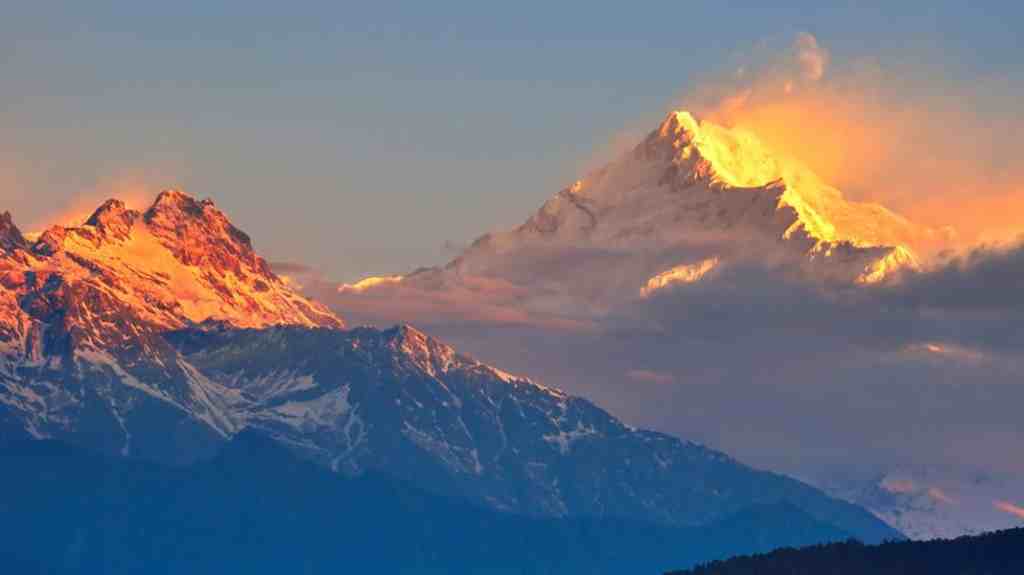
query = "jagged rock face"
{"x": 83, "y": 310}
{"x": 123, "y": 272}
{"x": 199, "y": 234}
{"x": 113, "y": 219}
{"x": 10, "y": 236}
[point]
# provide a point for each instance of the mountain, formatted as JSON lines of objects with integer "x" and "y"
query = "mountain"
{"x": 690, "y": 200}
{"x": 931, "y": 502}
{"x": 690, "y": 178}
{"x": 401, "y": 403}
{"x": 83, "y": 310}
{"x": 256, "y": 508}
{"x": 990, "y": 554}
{"x": 161, "y": 335}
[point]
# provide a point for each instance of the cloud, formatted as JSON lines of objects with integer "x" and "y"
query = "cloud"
{"x": 812, "y": 58}
{"x": 986, "y": 278}
{"x": 940, "y": 496}
{"x": 649, "y": 376}
{"x": 297, "y": 274}
{"x": 939, "y": 150}
{"x": 452, "y": 248}
{"x": 290, "y": 268}
{"x": 1010, "y": 508}
{"x": 972, "y": 300}
{"x": 422, "y": 300}
{"x": 789, "y": 366}
{"x": 10, "y": 188}
{"x": 135, "y": 192}
{"x": 901, "y": 486}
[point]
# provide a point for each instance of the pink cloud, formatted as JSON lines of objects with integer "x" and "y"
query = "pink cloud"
{"x": 1010, "y": 508}
{"x": 939, "y": 495}
{"x": 648, "y": 376}
{"x": 471, "y": 300}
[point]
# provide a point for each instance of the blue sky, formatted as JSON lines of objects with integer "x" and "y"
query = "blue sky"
{"x": 360, "y": 139}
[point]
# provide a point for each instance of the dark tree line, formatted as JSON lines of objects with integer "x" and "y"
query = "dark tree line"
{"x": 999, "y": 553}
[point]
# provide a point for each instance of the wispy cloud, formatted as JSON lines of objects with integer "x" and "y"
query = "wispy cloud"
{"x": 288, "y": 268}
{"x": 1010, "y": 508}
{"x": 650, "y": 376}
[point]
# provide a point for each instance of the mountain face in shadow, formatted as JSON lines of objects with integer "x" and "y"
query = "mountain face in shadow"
{"x": 400, "y": 403}
{"x": 257, "y": 508}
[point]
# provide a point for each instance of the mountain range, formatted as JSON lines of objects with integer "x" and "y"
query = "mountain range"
{"x": 161, "y": 335}
{"x": 700, "y": 256}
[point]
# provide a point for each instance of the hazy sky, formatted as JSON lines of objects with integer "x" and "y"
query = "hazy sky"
{"x": 363, "y": 139}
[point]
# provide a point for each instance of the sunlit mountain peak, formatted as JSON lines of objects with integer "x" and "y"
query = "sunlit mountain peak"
{"x": 736, "y": 157}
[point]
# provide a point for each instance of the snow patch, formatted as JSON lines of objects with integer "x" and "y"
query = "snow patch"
{"x": 565, "y": 439}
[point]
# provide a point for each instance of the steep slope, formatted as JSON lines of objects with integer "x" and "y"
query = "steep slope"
{"x": 82, "y": 310}
{"x": 401, "y": 403}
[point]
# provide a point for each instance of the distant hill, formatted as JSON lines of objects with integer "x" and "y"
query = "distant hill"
{"x": 257, "y": 508}
{"x": 999, "y": 553}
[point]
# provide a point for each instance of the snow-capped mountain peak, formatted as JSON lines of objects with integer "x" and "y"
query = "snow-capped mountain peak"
{"x": 113, "y": 219}
{"x": 179, "y": 263}
{"x": 84, "y": 310}
{"x": 691, "y": 202}
{"x": 737, "y": 158}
